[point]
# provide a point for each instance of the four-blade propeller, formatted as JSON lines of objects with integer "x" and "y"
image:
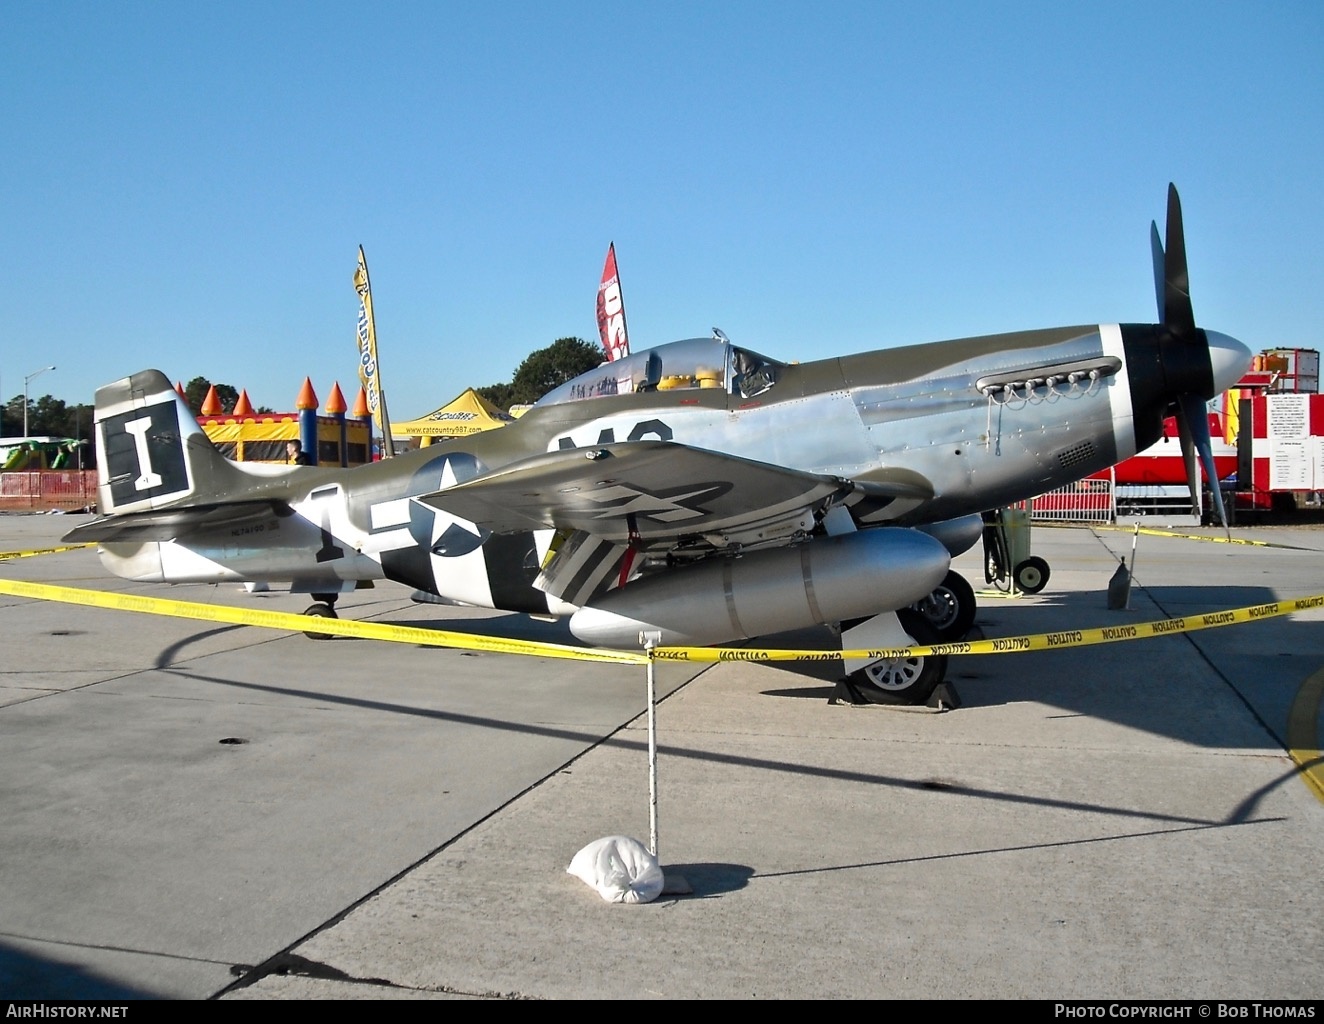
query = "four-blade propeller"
{"x": 1173, "y": 292}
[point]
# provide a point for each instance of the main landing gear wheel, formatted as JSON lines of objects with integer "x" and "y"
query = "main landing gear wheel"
{"x": 320, "y": 611}
{"x": 906, "y": 680}
{"x": 950, "y": 609}
{"x": 1032, "y": 575}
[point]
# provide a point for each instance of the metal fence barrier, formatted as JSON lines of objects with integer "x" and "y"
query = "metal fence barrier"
{"x": 47, "y": 489}
{"x": 1085, "y": 501}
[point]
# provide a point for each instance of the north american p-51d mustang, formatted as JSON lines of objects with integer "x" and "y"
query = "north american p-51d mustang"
{"x": 697, "y": 489}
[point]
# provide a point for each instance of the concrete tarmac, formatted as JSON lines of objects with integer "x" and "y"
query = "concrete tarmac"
{"x": 199, "y": 810}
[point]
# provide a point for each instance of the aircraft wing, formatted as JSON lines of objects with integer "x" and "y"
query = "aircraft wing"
{"x": 611, "y": 501}
{"x": 174, "y": 523}
{"x": 640, "y": 491}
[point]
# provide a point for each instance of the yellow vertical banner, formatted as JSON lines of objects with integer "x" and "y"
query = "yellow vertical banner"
{"x": 369, "y": 368}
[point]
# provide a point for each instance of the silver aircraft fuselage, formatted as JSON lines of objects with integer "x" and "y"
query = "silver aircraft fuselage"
{"x": 926, "y": 433}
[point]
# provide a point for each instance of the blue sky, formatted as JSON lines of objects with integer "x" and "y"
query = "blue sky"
{"x": 185, "y": 184}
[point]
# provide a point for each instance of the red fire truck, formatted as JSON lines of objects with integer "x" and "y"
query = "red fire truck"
{"x": 1279, "y": 430}
{"x": 1267, "y": 438}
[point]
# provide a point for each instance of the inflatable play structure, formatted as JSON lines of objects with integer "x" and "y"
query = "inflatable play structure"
{"x": 38, "y": 474}
{"x": 333, "y": 439}
{"x": 27, "y": 454}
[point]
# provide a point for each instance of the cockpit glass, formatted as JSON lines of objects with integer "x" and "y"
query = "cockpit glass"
{"x": 694, "y": 363}
{"x": 752, "y": 374}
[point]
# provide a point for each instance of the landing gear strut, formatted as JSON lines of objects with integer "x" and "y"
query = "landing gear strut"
{"x": 950, "y": 609}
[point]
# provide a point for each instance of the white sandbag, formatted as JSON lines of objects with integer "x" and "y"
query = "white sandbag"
{"x": 620, "y": 868}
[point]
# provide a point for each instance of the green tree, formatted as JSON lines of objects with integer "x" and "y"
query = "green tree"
{"x": 500, "y": 395}
{"x": 543, "y": 370}
{"x": 11, "y": 417}
{"x": 195, "y": 393}
{"x": 47, "y": 417}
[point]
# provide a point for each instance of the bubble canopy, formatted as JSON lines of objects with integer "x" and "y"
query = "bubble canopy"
{"x": 692, "y": 363}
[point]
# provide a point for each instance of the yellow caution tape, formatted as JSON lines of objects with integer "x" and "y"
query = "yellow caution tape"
{"x": 1301, "y": 726}
{"x": 4, "y": 555}
{"x": 1010, "y": 644}
{"x": 306, "y": 623}
{"x": 1151, "y": 532}
{"x": 441, "y": 638}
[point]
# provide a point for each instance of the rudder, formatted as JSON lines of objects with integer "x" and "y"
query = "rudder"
{"x": 152, "y": 453}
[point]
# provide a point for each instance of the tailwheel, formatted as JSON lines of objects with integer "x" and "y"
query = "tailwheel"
{"x": 1032, "y": 575}
{"x": 950, "y": 609}
{"x": 904, "y": 680}
{"x": 321, "y": 611}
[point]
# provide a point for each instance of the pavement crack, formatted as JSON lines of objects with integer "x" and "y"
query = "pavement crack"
{"x": 292, "y": 965}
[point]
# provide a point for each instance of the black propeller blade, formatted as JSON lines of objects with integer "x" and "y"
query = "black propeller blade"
{"x": 1173, "y": 291}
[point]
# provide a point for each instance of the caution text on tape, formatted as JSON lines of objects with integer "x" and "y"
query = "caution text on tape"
{"x": 1010, "y": 644}
{"x": 6, "y": 555}
{"x": 303, "y": 623}
{"x": 443, "y": 638}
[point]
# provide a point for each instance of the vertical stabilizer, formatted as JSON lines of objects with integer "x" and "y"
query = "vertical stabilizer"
{"x": 151, "y": 452}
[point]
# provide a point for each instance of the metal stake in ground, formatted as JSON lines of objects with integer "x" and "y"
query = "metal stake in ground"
{"x": 651, "y": 639}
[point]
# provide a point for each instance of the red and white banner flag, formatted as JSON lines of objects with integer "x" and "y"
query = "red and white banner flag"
{"x": 611, "y": 310}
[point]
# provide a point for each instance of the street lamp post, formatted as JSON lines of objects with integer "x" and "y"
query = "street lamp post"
{"x": 26, "y": 381}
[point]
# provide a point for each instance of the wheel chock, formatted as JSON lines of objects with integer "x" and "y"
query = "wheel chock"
{"x": 860, "y": 693}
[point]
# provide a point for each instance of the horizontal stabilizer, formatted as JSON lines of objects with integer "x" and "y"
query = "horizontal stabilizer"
{"x": 174, "y": 523}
